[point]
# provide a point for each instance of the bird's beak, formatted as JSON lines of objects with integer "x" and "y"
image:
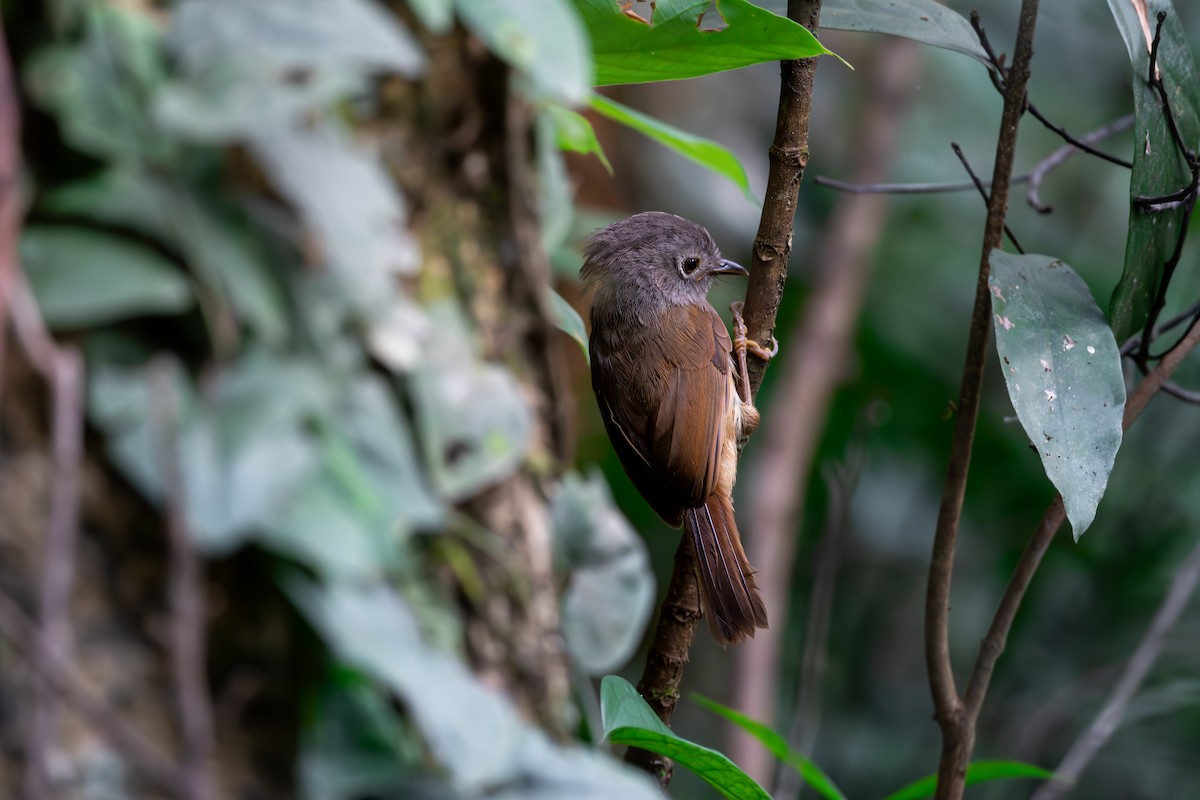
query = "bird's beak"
{"x": 727, "y": 267}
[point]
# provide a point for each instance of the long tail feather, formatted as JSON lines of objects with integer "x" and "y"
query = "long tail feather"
{"x": 731, "y": 600}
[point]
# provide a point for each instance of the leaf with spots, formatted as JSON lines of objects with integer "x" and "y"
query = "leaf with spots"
{"x": 1063, "y": 371}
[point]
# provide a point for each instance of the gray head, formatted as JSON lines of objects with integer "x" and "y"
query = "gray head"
{"x": 653, "y": 258}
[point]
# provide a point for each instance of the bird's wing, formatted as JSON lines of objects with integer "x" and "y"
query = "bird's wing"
{"x": 665, "y": 397}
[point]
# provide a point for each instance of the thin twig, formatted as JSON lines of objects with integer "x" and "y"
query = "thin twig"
{"x": 1059, "y": 156}
{"x": 999, "y": 78}
{"x": 1140, "y": 663}
{"x": 1034, "y": 177}
{"x": 984, "y": 193}
{"x": 125, "y": 738}
{"x": 193, "y": 704}
{"x": 958, "y": 731}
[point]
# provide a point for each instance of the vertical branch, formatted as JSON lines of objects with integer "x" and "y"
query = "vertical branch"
{"x": 788, "y": 157}
{"x": 10, "y": 208}
{"x": 58, "y": 560}
{"x": 958, "y": 730}
{"x": 187, "y": 603}
{"x": 62, "y": 368}
{"x": 814, "y": 364}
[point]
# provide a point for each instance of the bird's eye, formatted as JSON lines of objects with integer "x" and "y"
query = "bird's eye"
{"x": 690, "y": 265}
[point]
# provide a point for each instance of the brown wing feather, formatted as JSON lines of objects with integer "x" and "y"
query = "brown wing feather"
{"x": 663, "y": 393}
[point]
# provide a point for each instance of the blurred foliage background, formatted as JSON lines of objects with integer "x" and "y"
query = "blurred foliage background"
{"x": 305, "y": 250}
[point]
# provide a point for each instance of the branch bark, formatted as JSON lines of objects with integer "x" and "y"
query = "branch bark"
{"x": 768, "y": 274}
{"x": 958, "y": 728}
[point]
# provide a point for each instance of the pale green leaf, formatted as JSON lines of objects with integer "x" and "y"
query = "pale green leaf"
{"x": 544, "y": 40}
{"x": 573, "y": 131}
{"x": 82, "y": 277}
{"x": 568, "y": 320}
{"x": 1063, "y": 371}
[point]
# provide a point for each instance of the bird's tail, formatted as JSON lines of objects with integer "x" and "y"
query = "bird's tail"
{"x": 731, "y": 600}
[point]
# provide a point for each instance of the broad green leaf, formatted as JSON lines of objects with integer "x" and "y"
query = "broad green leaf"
{"x": 544, "y": 40}
{"x": 470, "y": 729}
{"x": 629, "y": 721}
{"x": 573, "y": 131}
{"x": 704, "y": 152}
{"x": 778, "y": 747}
{"x": 1158, "y": 167}
{"x": 1063, "y": 372}
{"x": 925, "y": 21}
{"x": 82, "y": 277}
{"x": 98, "y": 89}
{"x": 677, "y": 43}
{"x": 210, "y": 239}
{"x": 568, "y": 320}
{"x": 242, "y": 452}
{"x": 977, "y": 772}
{"x": 473, "y": 419}
{"x": 247, "y": 66}
{"x": 609, "y": 593}
{"x": 347, "y": 199}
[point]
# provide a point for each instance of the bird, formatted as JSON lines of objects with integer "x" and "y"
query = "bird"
{"x": 674, "y": 395}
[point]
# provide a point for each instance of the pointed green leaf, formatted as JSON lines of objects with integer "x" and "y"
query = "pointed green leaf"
{"x": 82, "y": 277}
{"x": 1158, "y": 167}
{"x": 704, "y": 152}
{"x": 629, "y": 721}
{"x": 778, "y": 747}
{"x": 925, "y": 21}
{"x": 573, "y": 131}
{"x": 978, "y": 772}
{"x": 568, "y": 321}
{"x": 684, "y": 39}
{"x": 1063, "y": 371}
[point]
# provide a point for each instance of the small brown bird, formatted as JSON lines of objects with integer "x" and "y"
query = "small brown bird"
{"x": 674, "y": 396}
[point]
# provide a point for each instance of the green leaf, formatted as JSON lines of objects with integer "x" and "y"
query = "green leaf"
{"x": 704, "y": 152}
{"x": 1063, "y": 371}
{"x": 977, "y": 772}
{"x": 573, "y": 131}
{"x": 925, "y": 21}
{"x": 209, "y": 237}
{"x": 544, "y": 40}
{"x": 609, "y": 592}
{"x": 472, "y": 417}
{"x": 246, "y": 66}
{"x": 568, "y": 321}
{"x": 82, "y": 277}
{"x": 470, "y": 729}
{"x": 99, "y": 88}
{"x": 1158, "y": 167}
{"x": 347, "y": 199}
{"x": 682, "y": 41}
{"x": 629, "y": 721}
{"x": 778, "y": 747}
